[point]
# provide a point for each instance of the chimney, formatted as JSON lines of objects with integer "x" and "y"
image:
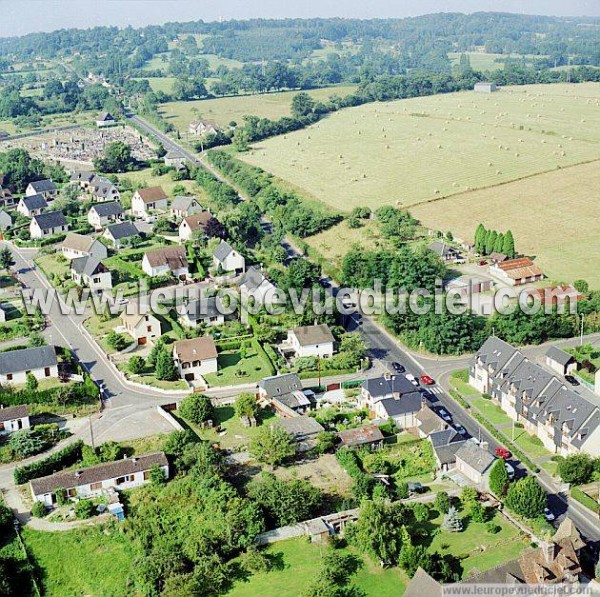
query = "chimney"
{"x": 549, "y": 550}
{"x": 78, "y": 474}
{"x": 387, "y": 375}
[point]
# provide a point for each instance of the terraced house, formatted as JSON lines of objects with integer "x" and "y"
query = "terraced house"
{"x": 565, "y": 420}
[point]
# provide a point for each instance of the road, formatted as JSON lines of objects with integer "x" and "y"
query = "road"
{"x": 384, "y": 348}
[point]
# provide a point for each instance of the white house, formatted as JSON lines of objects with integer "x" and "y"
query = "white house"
{"x": 204, "y": 311}
{"x": 228, "y": 259}
{"x": 182, "y": 207}
{"x": 175, "y": 159}
{"x": 42, "y": 187}
{"x": 105, "y": 119}
{"x": 48, "y": 224}
{"x": 80, "y": 245}
{"x": 516, "y": 272}
{"x": 195, "y": 358}
{"x": 141, "y": 327}
{"x": 13, "y": 418}
{"x": 146, "y": 201}
{"x": 104, "y": 213}
{"x": 126, "y": 473}
{"x": 474, "y": 463}
{"x": 16, "y": 364}
{"x": 5, "y": 220}
{"x": 91, "y": 272}
{"x": 166, "y": 260}
{"x": 254, "y": 284}
{"x": 120, "y": 233}
{"x": 192, "y": 224}
{"x": 83, "y": 178}
{"x": 32, "y": 205}
{"x": 311, "y": 341}
{"x": 103, "y": 189}
{"x": 202, "y": 128}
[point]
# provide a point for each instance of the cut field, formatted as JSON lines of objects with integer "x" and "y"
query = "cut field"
{"x": 553, "y": 217}
{"x": 411, "y": 151}
{"x": 225, "y": 109}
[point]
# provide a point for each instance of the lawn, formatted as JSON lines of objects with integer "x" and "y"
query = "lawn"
{"x": 225, "y": 109}
{"x": 53, "y": 265}
{"x": 532, "y": 446}
{"x": 86, "y": 561}
{"x": 254, "y": 367}
{"x": 299, "y": 561}
{"x": 491, "y": 411}
{"x": 145, "y": 178}
{"x": 164, "y": 84}
{"x": 482, "y": 61}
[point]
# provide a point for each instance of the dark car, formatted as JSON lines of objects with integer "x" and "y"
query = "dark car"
{"x": 572, "y": 380}
{"x": 398, "y": 368}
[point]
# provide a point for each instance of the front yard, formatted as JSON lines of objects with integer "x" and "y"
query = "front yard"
{"x": 235, "y": 370}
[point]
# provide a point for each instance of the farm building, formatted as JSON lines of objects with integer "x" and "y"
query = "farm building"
{"x": 516, "y": 272}
{"x": 485, "y": 87}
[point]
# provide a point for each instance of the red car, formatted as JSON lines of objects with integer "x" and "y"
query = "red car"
{"x": 426, "y": 380}
{"x": 503, "y": 453}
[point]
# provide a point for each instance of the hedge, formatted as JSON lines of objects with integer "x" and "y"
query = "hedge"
{"x": 262, "y": 353}
{"x": 68, "y": 456}
{"x": 585, "y": 500}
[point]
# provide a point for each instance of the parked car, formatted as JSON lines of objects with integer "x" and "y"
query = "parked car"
{"x": 413, "y": 380}
{"x": 510, "y": 471}
{"x": 503, "y": 453}
{"x": 426, "y": 380}
{"x": 398, "y": 368}
{"x": 548, "y": 515}
{"x": 460, "y": 429}
{"x": 445, "y": 415}
{"x": 572, "y": 380}
{"x": 415, "y": 487}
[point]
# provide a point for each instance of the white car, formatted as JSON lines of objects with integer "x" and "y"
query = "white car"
{"x": 548, "y": 515}
{"x": 510, "y": 471}
{"x": 413, "y": 380}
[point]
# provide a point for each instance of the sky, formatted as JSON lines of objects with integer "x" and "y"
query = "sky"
{"x": 18, "y": 17}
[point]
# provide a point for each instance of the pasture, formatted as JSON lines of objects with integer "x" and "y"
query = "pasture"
{"x": 225, "y": 109}
{"x": 553, "y": 216}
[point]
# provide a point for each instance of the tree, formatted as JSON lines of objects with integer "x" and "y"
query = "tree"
{"x": 241, "y": 139}
{"x": 136, "y": 364}
{"x": 421, "y": 512}
{"x": 6, "y": 258}
{"x": 157, "y": 476}
{"x": 246, "y": 405}
{"x": 302, "y": 105}
{"x": 26, "y": 443}
{"x": 38, "y": 510}
{"x": 480, "y": 235}
{"x": 576, "y": 469}
{"x": 478, "y": 512}
{"x": 468, "y": 495}
{"x": 6, "y": 517}
{"x": 333, "y": 578}
{"x": 165, "y": 367}
{"x": 36, "y": 339}
{"x": 452, "y": 521}
{"x": 526, "y": 498}
{"x": 31, "y": 382}
{"x": 508, "y": 245}
{"x": 442, "y": 502}
{"x": 499, "y": 479}
{"x": 413, "y": 557}
{"x": 272, "y": 445}
{"x": 196, "y": 408}
{"x": 326, "y": 441}
{"x": 117, "y": 158}
{"x": 116, "y": 341}
{"x": 582, "y": 286}
{"x": 84, "y": 509}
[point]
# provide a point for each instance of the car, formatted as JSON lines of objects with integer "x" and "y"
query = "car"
{"x": 460, "y": 429}
{"x": 426, "y": 380}
{"x": 397, "y": 367}
{"x": 510, "y": 471}
{"x": 503, "y": 453}
{"x": 572, "y": 380}
{"x": 483, "y": 262}
{"x": 415, "y": 487}
{"x": 413, "y": 380}
{"x": 123, "y": 301}
{"x": 549, "y": 515}
{"x": 445, "y": 414}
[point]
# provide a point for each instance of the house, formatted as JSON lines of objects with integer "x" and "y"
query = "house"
{"x": 120, "y": 233}
{"x": 145, "y": 201}
{"x": 93, "y": 481}
{"x": 310, "y": 341}
{"x": 496, "y": 257}
{"x": 5, "y": 220}
{"x": 104, "y": 213}
{"x": 193, "y": 224}
{"x": 474, "y": 463}
{"x": 103, "y": 189}
{"x": 3, "y": 313}
{"x": 80, "y": 245}
{"x": 465, "y": 286}
{"x": 516, "y": 272}
{"x": 13, "y": 418}
{"x": 195, "y": 358}
{"x": 105, "y": 119}
{"x": 392, "y": 396}
{"x": 91, "y": 272}
{"x": 485, "y": 87}
{"x": 175, "y": 158}
{"x": 367, "y": 435}
{"x": 42, "y": 187}
{"x": 228, "y": 259}
{"x": 84, "y": 178}
{"x": 560, "y": 361}
{"x": 285, "y": 394}
{"x": 141, "y": 327}
{"x": 205, "y": 311}
{"x": 32, "y": 205}
{"x": 302, "y": 429}
{"x": 166, "y": 260}
{"x": 6, "y": 198}
{"x": 202, "y": 128}
{"x": 182, "y": 207}
{"x": 47, "y": 224}
{"x": 39, "y": 361}
{"x": 428, "y": 422}
{"x": 445, "y": 444}
{"x": 446, "y": 252}
{"x": 423, "y": 585}
{"x": 565, "y": 420}
{"x": 254, "y": 284}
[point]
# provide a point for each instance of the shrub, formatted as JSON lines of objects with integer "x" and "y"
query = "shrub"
{"x": 38, "y": 510}
{"x": 84, "y": 509}
{"x": 196, "y": 408}
{"x": 68, "y": 456}
{"x": 136, "y": 365}
{"x": 493, "y": 527}
{"x": 6, "y": 516}
{"x": 576, "y": 469}
{"x": 442, "y": 502}
{"x": 402, "y": 490}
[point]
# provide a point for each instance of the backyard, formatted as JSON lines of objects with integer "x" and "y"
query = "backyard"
{"x": 235, "y": 370}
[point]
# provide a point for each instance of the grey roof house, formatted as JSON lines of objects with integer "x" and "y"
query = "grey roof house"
{"x": 16, "y": 364}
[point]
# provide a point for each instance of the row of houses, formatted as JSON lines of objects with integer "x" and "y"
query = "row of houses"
{"x": 564, "y": 419}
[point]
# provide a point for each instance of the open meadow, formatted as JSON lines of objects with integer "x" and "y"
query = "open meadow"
{"x": 225, "y": 109}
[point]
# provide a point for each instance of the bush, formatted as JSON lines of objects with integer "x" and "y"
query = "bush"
{"x": 38, "y": 510}
{"x": 84, "y": 509}
{"x": 6, "y": 516}
{"x": 196, "y": 408}
{"x": 493, "y": 527}
{"x": 68, "y": 456}
{"x": 136, "y": 365}
{"x": 576, "y": 469}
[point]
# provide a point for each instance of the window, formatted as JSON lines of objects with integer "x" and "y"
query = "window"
{"x": 9, "y": 376}
{"x": 125, "y": 479}
{"x": 146, "y": 475}
{"x": 96, "y": 486}
{"x": 149, "y": 328}
{"x": 71, "y": 492}
{"x": 47, "y": 371}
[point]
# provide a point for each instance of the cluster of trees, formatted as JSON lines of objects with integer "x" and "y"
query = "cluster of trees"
{"x": 490, "y": 241}
{"x": 161, "y": 360}
{"x": 28, "y": 442}
{"x": 579, "y": 469}
{"x": 117, "y": 158}
{"x": 19, "y": 169}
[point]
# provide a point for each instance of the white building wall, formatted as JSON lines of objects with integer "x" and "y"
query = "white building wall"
{"x": 21, "y": 376}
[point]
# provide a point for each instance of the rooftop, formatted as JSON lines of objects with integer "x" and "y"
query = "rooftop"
{"x": 27, "y": 359}
{"x": 196, "y": 349}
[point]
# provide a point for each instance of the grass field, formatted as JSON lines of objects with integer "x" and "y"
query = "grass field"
{"x": 482, "y": 61}
{"x": 225, "y": 109}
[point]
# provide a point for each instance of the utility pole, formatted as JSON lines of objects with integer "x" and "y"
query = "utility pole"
{"x": 92, "y": 434}
{"x": 581, "y": 336}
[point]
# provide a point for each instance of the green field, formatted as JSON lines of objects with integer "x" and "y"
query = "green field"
{"x": 225, "y": 109}
{"x": 483, "y": 61}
